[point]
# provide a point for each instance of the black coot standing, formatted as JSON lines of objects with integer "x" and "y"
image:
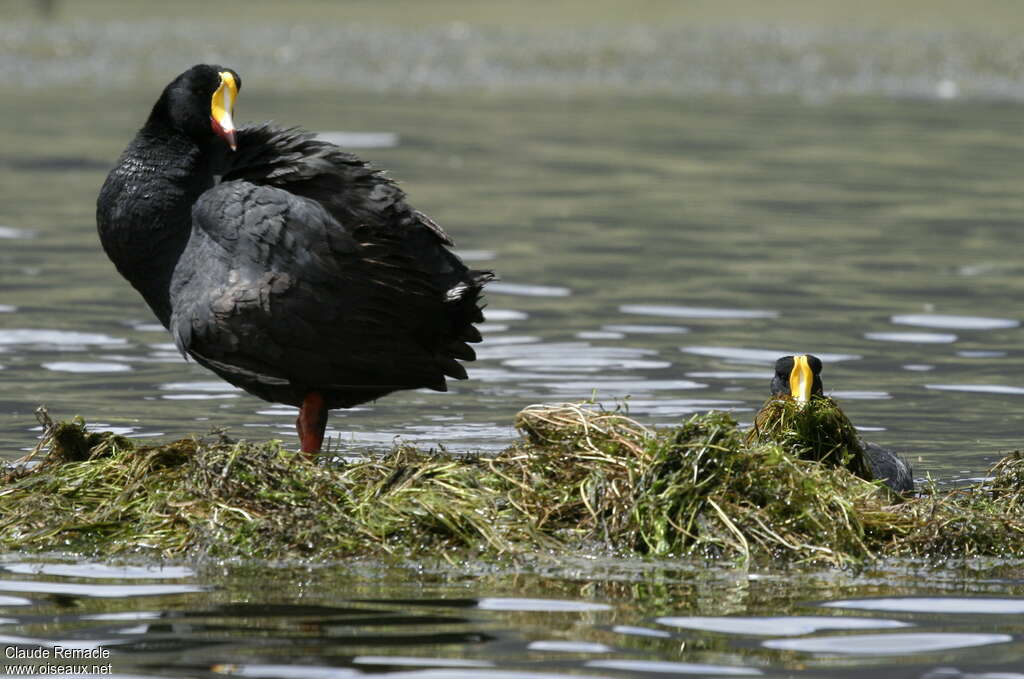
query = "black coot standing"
{"x": 282, "y": 263}
{"x": 800, "y": 378}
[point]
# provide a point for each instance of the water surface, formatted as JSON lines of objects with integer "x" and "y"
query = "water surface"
{"x": 551, "y": 619}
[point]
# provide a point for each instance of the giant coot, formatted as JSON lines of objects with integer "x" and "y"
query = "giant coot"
{"x": 800, "y": 378}
{"x": 283, "y": 264}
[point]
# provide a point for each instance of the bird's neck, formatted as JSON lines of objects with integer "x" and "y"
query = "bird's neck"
{"x": 144, "y": 214}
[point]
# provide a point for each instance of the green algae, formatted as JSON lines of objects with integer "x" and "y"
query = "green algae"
{"x": 582, "y": 481}
{"x": 818, "y": 431}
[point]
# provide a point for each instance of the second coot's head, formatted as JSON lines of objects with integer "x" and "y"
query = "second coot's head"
{"x": 798, "y": 377}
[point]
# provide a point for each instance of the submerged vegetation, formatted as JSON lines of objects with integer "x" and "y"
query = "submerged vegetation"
{"x": 582, "y": 480}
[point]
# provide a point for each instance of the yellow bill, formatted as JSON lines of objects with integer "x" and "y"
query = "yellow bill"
{"x": 801, "y": 380}
{"x": 222, "y": 106}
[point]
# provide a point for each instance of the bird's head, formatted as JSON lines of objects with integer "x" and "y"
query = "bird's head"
{"x": 798, "y": 377}
{"x": 200, "y": 103}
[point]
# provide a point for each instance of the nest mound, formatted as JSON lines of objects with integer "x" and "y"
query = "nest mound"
{"x": 818, "y": 431}
{"x": 582, "y": 480}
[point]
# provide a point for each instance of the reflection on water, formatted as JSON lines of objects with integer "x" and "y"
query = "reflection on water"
{"x": 359, "y": 140}
{"x": 549, "y": 605}
{"x": 673, "y": 668}
{"x": 11, "y": 232}
{"x": 44, "y": 340}
{"x": 86, "y": 367}
{"x": 887, "y": 644}
{"x": 797, "y": 625}
{"x": 627, "y": 329}
{"x": 951, "y": 604}
{"x": 954, "y": 322}
{"x": 912, "y": 337}
{"x": 693, "y": 312}
{"x": 628, "y": 620}
{"x": 979, "y": 388}
{"x": 761, "y": 356}
{"x": 87, "y": 569}
{"x": 527, "y": 290}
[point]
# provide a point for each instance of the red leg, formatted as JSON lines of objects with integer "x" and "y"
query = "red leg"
{"x": 311, "y": 422}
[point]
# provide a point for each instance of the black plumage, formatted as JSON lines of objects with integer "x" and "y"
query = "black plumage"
{"x": 288, "y": 266}
{"x": 794, "y": 372}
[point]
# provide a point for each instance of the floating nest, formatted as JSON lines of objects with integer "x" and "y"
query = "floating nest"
{"x": 582, "y": 480}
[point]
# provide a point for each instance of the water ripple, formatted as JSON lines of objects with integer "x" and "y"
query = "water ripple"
{"x": 760, "y": 356}
{"x": 646, "y": 329}
{"x": 359, "y": 140}
{"x": 948, "y": 322}
{"x": 197, "y": 397}
{"x": 546, "y": 605}
{"x": 774, "y": 626}
{"x": 887, "y": 644}
{"x": 599, "y": 335}
{"x": 563, "y": 646}
{"x": 562, "y": 357}
{"x": 476, "y": 255}
{"x": 694, "y": 312}
{"x": 912, "y": 337}
{"x": 63, "y": 339}
{"x": 527, "y": 290}
{"x": 625, "y": 386}
{"x": 934, "y": 604}
{"x": 978, "y": 388}
{"x": 87, "y": 569}
{"x": 9, "y": 232}
{"x": 505, "y": 315}
{"x": 732, "y": 375}
{"x": 14, "y": 601}
{"x": 87, "y": 367}
{"x": 862, "y": 395}
{"x": 492, "y": 341}
{"x": 393, "y": 660}
{"x": 585, "y": 363}
{"x": 635, "y": 631}
{"x": 262, "y": 671}
{"x": 212, "y": 386}
{"x": 93, "y": 590}
{"x": 673, "y": 668}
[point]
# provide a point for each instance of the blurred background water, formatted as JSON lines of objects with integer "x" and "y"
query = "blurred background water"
{"x": 674, "y": 195}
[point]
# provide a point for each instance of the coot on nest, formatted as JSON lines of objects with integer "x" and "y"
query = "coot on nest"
{"x": 800, "y": 378}
{"x": 283, "y": 264}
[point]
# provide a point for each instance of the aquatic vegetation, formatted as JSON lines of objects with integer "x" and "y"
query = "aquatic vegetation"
{"x": 820, "y": 432}
{"x": 582, "y": 480}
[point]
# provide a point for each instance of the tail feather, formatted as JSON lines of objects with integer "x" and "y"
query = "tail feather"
{"x": 464, "y": 304}
{"x": 465, "y": 309}
{"x": 470, "y": 334}
{"x": 452, "y": 368}
{"x": 461, "y": 351}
